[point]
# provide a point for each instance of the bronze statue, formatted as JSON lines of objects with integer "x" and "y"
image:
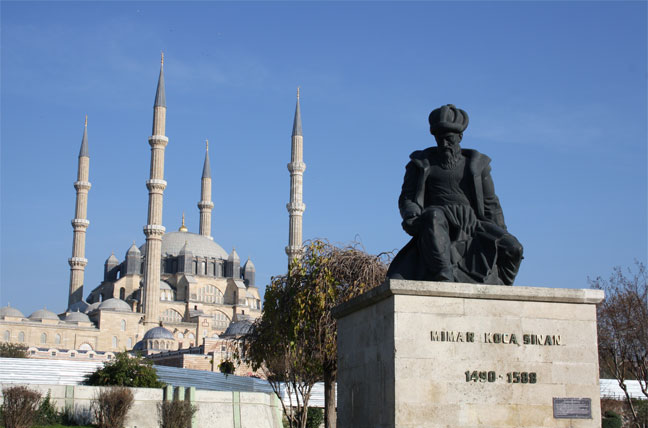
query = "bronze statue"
{"x": 449, "y": 207}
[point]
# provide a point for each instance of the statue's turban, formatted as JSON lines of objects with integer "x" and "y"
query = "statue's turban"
{"x": 448, "y": 118}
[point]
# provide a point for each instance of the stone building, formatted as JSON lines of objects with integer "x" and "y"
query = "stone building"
{"x": 176, "y": 291}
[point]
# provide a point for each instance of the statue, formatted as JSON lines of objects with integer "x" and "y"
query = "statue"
{"x": 449, "y": 207}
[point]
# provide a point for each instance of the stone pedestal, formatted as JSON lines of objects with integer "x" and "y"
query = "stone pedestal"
{"x": 432, "y": 354}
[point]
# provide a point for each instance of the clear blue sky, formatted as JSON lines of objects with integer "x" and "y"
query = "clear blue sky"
{"x": 556, "y": 93}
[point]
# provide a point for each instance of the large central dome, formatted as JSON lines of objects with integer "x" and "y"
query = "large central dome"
{"x": 199, "y": 245}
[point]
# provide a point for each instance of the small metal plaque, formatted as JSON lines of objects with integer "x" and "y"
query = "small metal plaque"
{"x": 572, "y": 408}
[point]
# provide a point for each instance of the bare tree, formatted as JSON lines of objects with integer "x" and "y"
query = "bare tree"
{"x": 623, "y": 330}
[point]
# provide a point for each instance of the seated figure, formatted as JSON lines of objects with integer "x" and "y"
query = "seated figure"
{"x": 449, "y": 207}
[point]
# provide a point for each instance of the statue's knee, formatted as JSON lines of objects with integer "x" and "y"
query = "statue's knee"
{"x": 433, "y": 216}
{"x": 514, "y": 249}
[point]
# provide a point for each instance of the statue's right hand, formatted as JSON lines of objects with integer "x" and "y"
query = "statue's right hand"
{"x": 411, "y": 225}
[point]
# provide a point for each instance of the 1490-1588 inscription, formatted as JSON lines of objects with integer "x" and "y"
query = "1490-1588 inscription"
{"x": 491, "y": 376}
{"x": 505, "y": 338}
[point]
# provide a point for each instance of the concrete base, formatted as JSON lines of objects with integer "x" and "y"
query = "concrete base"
{"x": 431, "y": 354}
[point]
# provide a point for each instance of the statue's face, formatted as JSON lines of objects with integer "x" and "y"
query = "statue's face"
{"x": 448, "y": 141}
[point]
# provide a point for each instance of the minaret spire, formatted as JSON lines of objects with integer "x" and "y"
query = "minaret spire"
{"x": 80, "y": 222}
{"x": 156, "y": 185}
{"x": 205, "y": 205}
{"x": 296, "y": 207}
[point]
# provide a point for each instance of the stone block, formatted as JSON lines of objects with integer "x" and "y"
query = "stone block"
{"x": 417, "y": 354}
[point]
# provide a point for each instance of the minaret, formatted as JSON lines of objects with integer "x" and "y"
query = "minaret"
{"x": 80, "y": 223}
{"x": 156, "y": 185}
{"x": 205, "y": 205}
{"x": 296, "y": 207}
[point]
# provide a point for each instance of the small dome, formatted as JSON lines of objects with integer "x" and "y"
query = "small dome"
{"x": 115, "y": 305}
{"x": 8, "y": 311}
{"x": 238, "y": 328}
{"x": 76, "y": 317}
{"x": 158, "y": 333}
{"x": 43, "y": 314}
{"x": 112, "y": 260}
{"x": 249, "y": 266}
{"x": 233, "y": 255}
{"x": 80, "y": 306}
{"x": 165, "y": 286}
{"x": 133, "y": 250}
{"x": 92, "y": 307}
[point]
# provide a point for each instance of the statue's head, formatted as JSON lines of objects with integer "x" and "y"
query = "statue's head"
{"x": 447, "y": 124}
{"x": 448, "y": 118}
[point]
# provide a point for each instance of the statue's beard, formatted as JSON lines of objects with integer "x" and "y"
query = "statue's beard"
{"x": 450, "y": 157}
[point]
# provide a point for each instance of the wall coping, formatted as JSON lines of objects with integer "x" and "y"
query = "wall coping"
{"x": 394, "y": 287}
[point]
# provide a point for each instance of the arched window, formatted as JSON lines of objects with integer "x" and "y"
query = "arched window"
{"x": 195, "y": 267}
{"x": 122, "y": 293}
{"x": 114, "y": 341}
{"x": 210, "y": 294}
{"x": 221, "y": 321}
{"x": 85, "y": 347}
{"x": 57, "y": 339}
{"x": 156, "y": 344}
{"x": 43, "y": 338}
{"x": 130, "y": 343}
{"x": 21, "y": 337}
{"x": 7, "y": 335}
{"x": 203, "y": 268}
{"x": 123, "y": 325}
{"x": 171, "y": 315}
{"x": 191, "y": 336}
{"x": 180, "y": 336}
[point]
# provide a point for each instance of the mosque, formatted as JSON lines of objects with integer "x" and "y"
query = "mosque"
{"x": 179, "y": 290}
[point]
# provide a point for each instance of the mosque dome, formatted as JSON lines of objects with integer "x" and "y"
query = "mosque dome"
{"x": 8, "y": 311}
{"x": 115, "y": 304}
{"x": 43, "y": 314}
{"x": 199, "y": 245}
{"x": 249, "y": 266}
{"x": 238, "y": 328}
{"x": 76, "y": 317}
{"x": 158, "y": 333}
{"x": 92, "y": 307}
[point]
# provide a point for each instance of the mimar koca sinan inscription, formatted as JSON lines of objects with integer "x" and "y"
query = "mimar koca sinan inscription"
{"x": 497, "y": 338}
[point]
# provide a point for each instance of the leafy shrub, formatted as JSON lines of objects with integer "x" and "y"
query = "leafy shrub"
{"x": 20, "y": 407}
{"x": 125, "y": 370}
{"x": 176, "y": 414}
{"x": 13, "y": 350}
{"x": 47, "y": 412}
{"x": 226, "y": 367}
{"x": 612, "y": 420}
{"x": 111, "y": 407}
{"x": 315, "y": 417}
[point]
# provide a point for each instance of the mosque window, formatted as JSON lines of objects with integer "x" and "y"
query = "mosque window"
{"x": 195, "y": 267}
{"x": 221, "y": 321}
{"x": 191, "y": 336}
{"x": 21, "y": 337}
{"x": 171, "y": 315}
{"x": 43, "y": 338}
{"x": 114, "y": 341}
{"x": 57, "y": 339}
{"x": 204, "y": 333}
{"x": 123, "y": 325}
{"x": 130, "y": 343}
{"x": 180, "y": 336}
{"x": 156, "y": 344}
{"x": 210, "y": 294}
{"x": 122, "y": 293}
{"x": 7, "y": 335}
{"x": 213, "y": 269}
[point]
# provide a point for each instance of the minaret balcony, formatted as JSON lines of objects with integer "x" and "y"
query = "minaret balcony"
{"x": 154, "y": 231}
{"x": 78, "y": 262}
{"x": 156, "y": 185}
{"x": 296, "y": 207}
{"x": 205, "y": 205}
{"x": 80, "y": 223}
{"x": 158, "y": 140}
{"x": 296, "y": 167}
{"x": 82, "y": 185}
